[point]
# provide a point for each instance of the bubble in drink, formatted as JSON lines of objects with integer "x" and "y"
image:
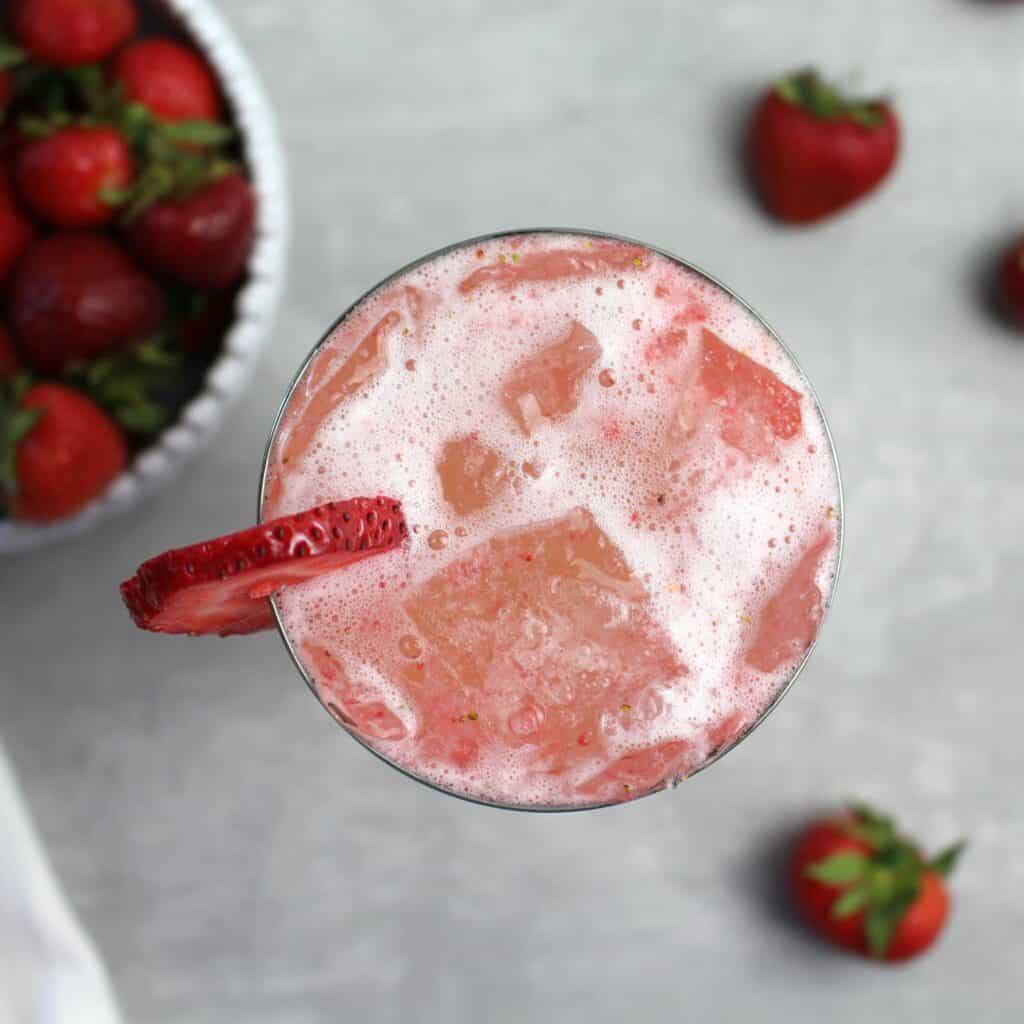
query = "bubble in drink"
{"x": 617, "y": 609}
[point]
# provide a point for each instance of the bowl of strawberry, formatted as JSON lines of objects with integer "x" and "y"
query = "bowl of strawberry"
{"x": 143, "y": 227}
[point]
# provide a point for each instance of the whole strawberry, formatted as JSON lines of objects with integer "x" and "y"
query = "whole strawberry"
{"x": 72, "y": 32}
{"x": 15, "y": 230}
{"x": 814, "y": 151}
{"x": 171, "y": 80}
{"x": 58, "y": 451}
{"x": 77, "y": 296}
{"x": 6, "y": 88}
{"x": 863, "y": 886}
{"x": 202, "y": 240}
{"x": 11, "y": 141}
{"x": 1011, "y": 282}
{"x": 203, "y": 320}
{"x": 65, "y": 177}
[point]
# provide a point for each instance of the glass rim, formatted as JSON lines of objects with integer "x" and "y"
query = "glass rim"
{"x": 784, "y": 689}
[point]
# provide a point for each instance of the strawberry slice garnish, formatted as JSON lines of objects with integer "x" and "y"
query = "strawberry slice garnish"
{"x": 222, "y": 586}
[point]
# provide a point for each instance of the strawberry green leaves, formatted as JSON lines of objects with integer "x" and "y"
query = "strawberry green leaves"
{"x": 130, "y": 384}
{"x": 11, "y": 56}
{"x": 851, "y": 901}
{"x": 871, "y": 826}
{"x": 881, "y": 921}
{"x": 15, "y": 424}
{"x": 839, "y": 869}
{"x": 946, "y": 861}
{"x": 881, "y": 879}
{"x": 808, "y": 90}
{"x": 173, "y": 159}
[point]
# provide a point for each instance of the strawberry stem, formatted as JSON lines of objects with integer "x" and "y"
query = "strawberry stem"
{"x": 199, "y": 133}
{"x": 33, "y": 127}
{"x": 807, "y": 89}
{"x": 11, "y": 56}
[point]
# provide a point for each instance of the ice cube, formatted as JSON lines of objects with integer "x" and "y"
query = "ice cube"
{"x": 789, "y": 621}
{"x": 555, "y": 264}
{"x": 754, "y": 406}
{"x": 472, "y": 474}
{"x": 536, "y": 634}
{"x": 328, "y": 385}
{"x": 547, "y": 385}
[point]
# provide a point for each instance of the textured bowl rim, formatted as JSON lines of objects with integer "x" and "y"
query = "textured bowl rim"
{"x": 256, "y": 306}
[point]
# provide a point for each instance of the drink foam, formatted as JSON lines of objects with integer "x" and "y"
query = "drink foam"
{"x": 552, "y": 382}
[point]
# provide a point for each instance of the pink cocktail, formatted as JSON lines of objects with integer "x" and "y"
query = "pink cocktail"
{"x": 624, "y": 510}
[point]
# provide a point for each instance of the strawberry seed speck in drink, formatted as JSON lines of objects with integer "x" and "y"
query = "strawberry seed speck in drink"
{"x": 624, "y": 519}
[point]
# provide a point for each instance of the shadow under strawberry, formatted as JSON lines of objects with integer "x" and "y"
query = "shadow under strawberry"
{"x": 763, "y": 875}
{"x": 983, "y": 278}
{"x": 737, "y": 107}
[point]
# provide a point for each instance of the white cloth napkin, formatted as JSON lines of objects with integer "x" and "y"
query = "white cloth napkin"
{"x": 49, "y": 972}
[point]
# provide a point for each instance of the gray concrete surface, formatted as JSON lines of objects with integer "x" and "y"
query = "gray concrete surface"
{"x": 239, "y": 859}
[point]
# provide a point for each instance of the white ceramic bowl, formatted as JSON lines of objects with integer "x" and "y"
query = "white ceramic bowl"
{"x": 255, "y": 308}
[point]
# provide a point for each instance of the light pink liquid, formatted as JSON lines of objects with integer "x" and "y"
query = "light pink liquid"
{"x": 623, "y": 509}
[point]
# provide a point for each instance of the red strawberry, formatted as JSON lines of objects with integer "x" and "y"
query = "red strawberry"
{"x": 66, "y": 457}
{"x": 77, "y": 296}
{"x": 72, "y": 32}
{"x": 62, "y": 177}
{"x": 222, "y": 586}
{"x": 172, "y": 80}
{"x": 1011, "y": 282}
{"x": 202, "y": 240}
{"x": 9, "y": 362}
{"x": 11, "y": 141}
{"x": 6, "y": 88}
{"x": 199, "y": 327}
{"x": 863, "y": 886}
{"x": 15, "y": 230}
{"x": 815, "y": 152}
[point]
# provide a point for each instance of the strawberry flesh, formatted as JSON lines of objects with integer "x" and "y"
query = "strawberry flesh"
{"x": 222, "y": 586}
